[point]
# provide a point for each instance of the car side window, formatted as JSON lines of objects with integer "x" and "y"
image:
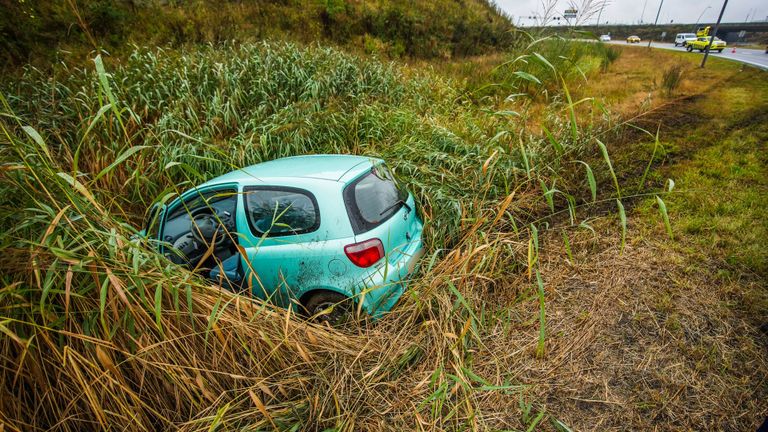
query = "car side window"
{"x": 225, "y": 200}
{"x": 188, "y": 241}
{"x": 177, "y": 221}
{"x": 277, "y": 211}
{"x": 200, "y": 200}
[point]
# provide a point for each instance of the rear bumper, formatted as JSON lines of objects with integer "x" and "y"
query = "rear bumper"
{"x": 385, "y": 285}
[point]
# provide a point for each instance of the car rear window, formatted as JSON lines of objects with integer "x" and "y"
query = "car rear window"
{"x": 281, "y": 211}
{"x": 373, "y": 198}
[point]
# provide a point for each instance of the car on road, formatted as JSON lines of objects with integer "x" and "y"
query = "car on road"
{"x": 605, "y": 38}
{"x": 633, "y": 39}
{"x": 322, "y": 234}
{"x": 702, "y": 42}
{"x": 682, "y": 39}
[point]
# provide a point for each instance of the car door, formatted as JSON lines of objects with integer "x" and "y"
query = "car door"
{"x": 175, "y": 233}
{"x": 284, "y": 251}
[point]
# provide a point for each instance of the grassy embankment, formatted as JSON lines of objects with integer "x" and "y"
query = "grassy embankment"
{"x": 505, "y": 327}
{"x": 48, "y": 32}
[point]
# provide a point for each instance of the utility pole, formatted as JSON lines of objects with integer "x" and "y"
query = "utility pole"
{"x": 642, "y": 14}
{"x": 657, "y": 20}
{"x": 712, "y": 36}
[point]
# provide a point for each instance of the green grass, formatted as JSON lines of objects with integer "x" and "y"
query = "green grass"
{"x": 537, "y": 70}
{"x": 731, "y": 228}
{"x": 719, "y": 197}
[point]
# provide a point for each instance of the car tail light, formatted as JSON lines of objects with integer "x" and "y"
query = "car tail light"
{"x": 365, "y": 254}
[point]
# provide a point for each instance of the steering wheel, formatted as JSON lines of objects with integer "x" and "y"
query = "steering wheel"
{"x": 207, "y": 225}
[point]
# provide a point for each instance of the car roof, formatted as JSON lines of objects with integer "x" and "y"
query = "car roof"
{"x": 336, "y": 168}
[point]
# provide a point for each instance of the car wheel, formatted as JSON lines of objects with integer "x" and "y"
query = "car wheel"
{"x": 689, "y": 48}
{"x": 328, "y": 307}
{"x": 719, "y": 50}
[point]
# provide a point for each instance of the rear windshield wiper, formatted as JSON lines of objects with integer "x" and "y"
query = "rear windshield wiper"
{"x": 396, "y": 203}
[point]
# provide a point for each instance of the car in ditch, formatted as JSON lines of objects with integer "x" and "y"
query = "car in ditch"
{"x": 325, "y": 235}
{"x": 701, "y": 44}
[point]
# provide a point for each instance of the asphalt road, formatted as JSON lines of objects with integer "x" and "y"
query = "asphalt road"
{"x": 752, "y": 57}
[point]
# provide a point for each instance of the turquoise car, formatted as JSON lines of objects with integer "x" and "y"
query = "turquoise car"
{"x": 323, "y": 234}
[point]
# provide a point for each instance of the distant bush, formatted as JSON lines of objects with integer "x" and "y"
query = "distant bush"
{"x": 35, "y": 30}
{"x": 608, "y": 55}
{"x": 671, "y": 78}
{"x": 104, "y": 17}
{"x": 537, "y": 67}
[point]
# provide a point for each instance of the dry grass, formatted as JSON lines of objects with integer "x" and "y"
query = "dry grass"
{"x": 651, "y": 339}
{"x": 633, "y": 82}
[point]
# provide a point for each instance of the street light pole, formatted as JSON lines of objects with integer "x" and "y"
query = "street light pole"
{"x": 712, "y": 36}
{"x": 642, "y": 14}
{"x": 696, "y": 26}
{"x": 657, "y": 20}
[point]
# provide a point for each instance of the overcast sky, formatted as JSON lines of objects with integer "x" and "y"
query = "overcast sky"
{"x": 631, "y": 11}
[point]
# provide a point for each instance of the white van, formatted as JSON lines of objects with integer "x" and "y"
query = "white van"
{"x": 683, "y": 38}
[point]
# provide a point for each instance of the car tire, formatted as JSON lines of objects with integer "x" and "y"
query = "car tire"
{"x": 340, "y": 308}
{"x": 719, "y": 50}
{"x": 689, "y": 48}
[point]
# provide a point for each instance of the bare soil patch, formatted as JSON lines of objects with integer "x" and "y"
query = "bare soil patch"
{"x": 651, "y": 339}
